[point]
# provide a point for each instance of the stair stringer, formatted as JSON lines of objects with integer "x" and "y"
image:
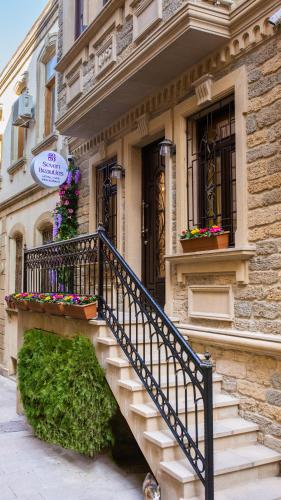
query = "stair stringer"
{"x": 166, "y": 459}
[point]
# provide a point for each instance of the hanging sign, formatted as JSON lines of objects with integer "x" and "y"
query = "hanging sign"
{"x": 49, "y": 169}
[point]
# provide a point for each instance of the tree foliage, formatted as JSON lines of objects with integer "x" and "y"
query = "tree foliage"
{"x": 64, "y": 392}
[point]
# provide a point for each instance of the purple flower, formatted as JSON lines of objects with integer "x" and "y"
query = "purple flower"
{"x": 59, "y": 220}
{"x": 77, "y": 176}
{"x": 69, "y": 179}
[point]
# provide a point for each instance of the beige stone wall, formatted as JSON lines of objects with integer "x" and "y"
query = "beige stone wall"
{"x": 256, "y": 380}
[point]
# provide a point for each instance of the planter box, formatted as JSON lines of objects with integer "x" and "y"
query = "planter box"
{"x": 36, "y": 306}
{"x": 23, "y": 305}
{"x": 11, "y": 304}
{"x": 54, "y": 308}
{"x": 87, "y": 312}
{"x": 202, "y": 244}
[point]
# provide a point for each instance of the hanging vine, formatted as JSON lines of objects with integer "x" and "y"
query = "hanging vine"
{"x": 65, "y": 213}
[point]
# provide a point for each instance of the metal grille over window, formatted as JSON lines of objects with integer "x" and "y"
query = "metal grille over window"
{"x": 211, "y": 169}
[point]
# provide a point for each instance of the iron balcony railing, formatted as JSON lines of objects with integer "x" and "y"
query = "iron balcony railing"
{"x": 177, "y": 380}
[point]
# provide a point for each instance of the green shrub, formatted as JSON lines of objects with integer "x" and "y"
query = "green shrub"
{"x": 64, "y": 392}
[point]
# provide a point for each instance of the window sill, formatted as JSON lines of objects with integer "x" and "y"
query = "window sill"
{"x": 46, "y": 143}
{"x": 16, "y": 166}
{"x": 230, "y": 260}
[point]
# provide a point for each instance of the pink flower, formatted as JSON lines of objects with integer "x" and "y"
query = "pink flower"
{"x": 70, "y": 211}
{"x": 66, "y": 203}
{"x": 202, "y": 231}
{"x": 77, "y": 192}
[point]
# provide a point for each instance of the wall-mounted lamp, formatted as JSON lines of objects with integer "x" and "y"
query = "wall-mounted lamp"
{"x": 167, "y": 148}
{"x": 117, "y": 172}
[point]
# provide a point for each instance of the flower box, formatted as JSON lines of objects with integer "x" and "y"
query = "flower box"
{"x": 88, "y": 311}
{"x": 22, "y": 305}
{"x": 35, "y": 306}
{"x": 54, "y": 308}
{"x": 216, "y": 242}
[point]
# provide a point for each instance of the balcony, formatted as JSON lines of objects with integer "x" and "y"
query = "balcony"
{"x": 127, "y": 54}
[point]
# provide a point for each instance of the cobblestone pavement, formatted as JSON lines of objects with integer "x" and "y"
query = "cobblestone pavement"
{"x": 33, "y": 470}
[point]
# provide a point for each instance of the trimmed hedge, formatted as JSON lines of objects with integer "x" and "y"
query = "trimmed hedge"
{"x": 64, "y": 392}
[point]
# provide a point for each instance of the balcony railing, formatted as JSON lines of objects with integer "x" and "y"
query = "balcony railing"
{"x": 178, "y": 382}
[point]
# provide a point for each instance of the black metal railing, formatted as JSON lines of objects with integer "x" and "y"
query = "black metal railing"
{"x": 177, "y": 380}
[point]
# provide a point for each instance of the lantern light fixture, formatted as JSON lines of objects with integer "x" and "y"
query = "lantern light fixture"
{"x": 167, "y": 148}
{"x": 117, "y": 171}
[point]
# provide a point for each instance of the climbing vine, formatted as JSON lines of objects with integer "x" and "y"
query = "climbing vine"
{"x": 65, "y": 213}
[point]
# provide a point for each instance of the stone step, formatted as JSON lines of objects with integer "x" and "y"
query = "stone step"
{"x": 224, "y": 406}
{"x": 135, "y": 386}
{"x": 263, "y": 489}
{"x": 228, "y": 433}
{"x": 232, "y": 467}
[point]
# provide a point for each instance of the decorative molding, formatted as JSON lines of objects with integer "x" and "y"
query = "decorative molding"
{"x": 16, "y": 166}
{"x": 145, "y": 17}
{"x": 74, "y": 86}
{"x": 102, "y": 150}
{"x": 46, "y": 143}
{"x": 231, "y": 260}
{"x": 142, "y": 124}
{"x": 106, "y": 56}
{"x": 211, "y": 302}
{"x": 204, "y": 89}
{"x": 49, "y": 48}
{"x": 21, "y": 83}
{"x": 38, "y": 31}
{"x": 233, "y": 339}
{"x": 177, "y": 89}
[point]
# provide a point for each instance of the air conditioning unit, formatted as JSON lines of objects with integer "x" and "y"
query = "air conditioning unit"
{"x": 23, "y": 110}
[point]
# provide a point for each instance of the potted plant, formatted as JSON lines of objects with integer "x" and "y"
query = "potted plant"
{"x": 198, "y": 240}
{"x": 35, "y": 303}
{"x": 80, "y": 307}
{"x": 19, "y": 301}
{"x": 52, "y": 304}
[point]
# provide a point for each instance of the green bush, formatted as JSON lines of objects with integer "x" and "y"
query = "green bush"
{"x": 64, "y": 392}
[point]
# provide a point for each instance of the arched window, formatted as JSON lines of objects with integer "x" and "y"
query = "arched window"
{"x": 47, "y": 234}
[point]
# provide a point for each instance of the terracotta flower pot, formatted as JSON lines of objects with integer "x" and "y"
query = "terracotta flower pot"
{"x": 89, "y": 311}
{"x": 216, "y": 242}
{"x": 35, "y": 306}
{"x": 54, "y": 308}
{"x": 22, "y": 305}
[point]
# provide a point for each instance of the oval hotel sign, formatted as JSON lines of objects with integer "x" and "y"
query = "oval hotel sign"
{"x": 49, "y": 169}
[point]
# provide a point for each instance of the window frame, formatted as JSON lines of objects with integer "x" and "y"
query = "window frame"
{"x": 79, "y": 18}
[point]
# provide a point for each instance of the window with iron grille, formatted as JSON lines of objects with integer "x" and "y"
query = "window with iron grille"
{"x": 106, "y": 199}
{"x": 211, "y": 168}
{"x": 19, "y": 263}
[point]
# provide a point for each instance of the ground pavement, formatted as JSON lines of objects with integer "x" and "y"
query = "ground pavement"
{"x": 33, "y": 470}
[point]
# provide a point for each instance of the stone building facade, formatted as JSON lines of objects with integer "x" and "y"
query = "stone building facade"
{"x": 142, "y": 71}
{"x": 25, "y": 207}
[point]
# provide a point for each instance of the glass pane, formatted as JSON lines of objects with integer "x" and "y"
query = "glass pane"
{"x": 50, "y": 67}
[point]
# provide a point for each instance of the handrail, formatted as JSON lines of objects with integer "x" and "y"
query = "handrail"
{"x": 176, "y": 379}
{"x": 140, "y": 325}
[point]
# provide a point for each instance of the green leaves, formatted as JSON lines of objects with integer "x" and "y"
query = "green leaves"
{"x": 64, "y": 392}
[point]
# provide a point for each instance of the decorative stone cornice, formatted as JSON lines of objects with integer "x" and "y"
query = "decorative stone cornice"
{"x": 21, "y": 83}
{"x": 28, "y": 46}
{"x": 16, "y": 166}
{"x": 204, "y": 89}
{"x": 46, "y": 143}
{"x": 175, "y": 91}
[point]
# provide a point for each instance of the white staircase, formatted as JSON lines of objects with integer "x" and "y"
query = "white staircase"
{"x": 244, "y": 469}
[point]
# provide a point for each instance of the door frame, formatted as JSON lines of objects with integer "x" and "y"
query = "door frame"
{"x": 161, "y": 126}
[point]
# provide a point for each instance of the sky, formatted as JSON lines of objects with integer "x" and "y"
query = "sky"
{"x": 16, "y": 19}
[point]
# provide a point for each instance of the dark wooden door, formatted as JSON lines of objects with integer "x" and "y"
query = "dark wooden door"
{"x": 106, "y": 199}
{"x": 153, "y": 221}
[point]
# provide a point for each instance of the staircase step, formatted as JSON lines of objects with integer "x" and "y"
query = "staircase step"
{"x": 225, "y": 462}
{"x": 222, "y": 428}
{"x": 135, "y": 385}
{"x": 263, "y": 489}
{"x": 219, "y": 401}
